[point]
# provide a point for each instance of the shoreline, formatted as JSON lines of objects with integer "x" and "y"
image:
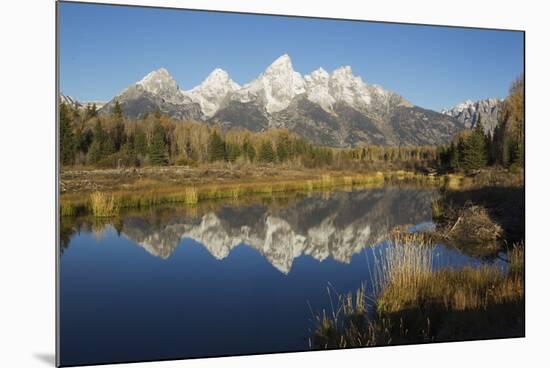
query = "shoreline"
{"x": 179, "y": 185}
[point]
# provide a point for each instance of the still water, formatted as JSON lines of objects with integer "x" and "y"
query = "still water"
{"x": 229, "y": 278}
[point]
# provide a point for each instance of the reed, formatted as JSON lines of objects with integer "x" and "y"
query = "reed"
{"x": 516, "y": 258}
{"x": 414, "y": 302}
{"x": 191, "y": 195}
{"x": 103, "y": 205}
{"x": 67, "y": 209}
{"x": 437, "y": 210}
{"x": 236, "y": 192}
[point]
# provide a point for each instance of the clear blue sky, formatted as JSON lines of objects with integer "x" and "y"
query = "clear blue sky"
{"x": 103, "y": 49}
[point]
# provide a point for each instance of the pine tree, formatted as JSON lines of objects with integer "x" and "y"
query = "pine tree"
{"x": 130, "y": 148}
{"x": 117, "y": 111}
{"x": 157, "y": 150}
{"x": 233, "y": 152}
{"x": 249, "y": 151}
{"x": 475, "y": 154}
{"x": 216, "y": 147}
{"x": 93, "y": 111}
{"x": 84, "y": 140}
{"x": 118, "y": 135}
{"x": 95, "y": 152}
{"x": 67, "y": 143}
{"x": 267, "y": 154}
{"x": 454, "y": 157}
{"x": 283, "y": 148}
{"x": 140, "y": 142}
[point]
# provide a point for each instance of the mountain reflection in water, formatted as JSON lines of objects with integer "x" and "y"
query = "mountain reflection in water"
{"x": 336, "y": 225}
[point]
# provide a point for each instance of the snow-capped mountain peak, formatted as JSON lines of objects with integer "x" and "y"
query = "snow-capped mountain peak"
{"x": 348, "y": 88}
{"x": 219, "y": 77}
{"x": 275, "y": 87}
{"x": 211, "y": 93}
{"x": 317, "y": 89}
{"x": 159, "y": 82}
{"x": 280, "y": 65}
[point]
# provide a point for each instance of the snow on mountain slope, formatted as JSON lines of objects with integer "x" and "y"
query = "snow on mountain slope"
{"x": 317, "y": 89}
{"x": 211, "y": 93}
{"x": 275, "y": 87}
{"x": 160, "y": 83}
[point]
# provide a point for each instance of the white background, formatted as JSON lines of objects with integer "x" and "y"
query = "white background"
{"x": 27, "y": 179}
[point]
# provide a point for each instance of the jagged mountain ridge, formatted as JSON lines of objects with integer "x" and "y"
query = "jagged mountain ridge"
{"x": 336, "y": 109}
{"x": 467, "y": 113}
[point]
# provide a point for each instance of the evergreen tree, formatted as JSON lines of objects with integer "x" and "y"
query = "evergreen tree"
{"x": 157, "y": 150}
{"x": 67, "y": 143}
{"x": 118, "y": 135}
{"x": 283, "y": 148}
{"x": 454, "y": 157}
{"x": 249, "y": 151}
{"x": 108, "y": 146}
{"x": 117, "y": 111}
{"x": 267, "y": 154}
{"x": 140, "y": 142}
{"x": 93, "y": 111}
{"x": 233, "y": 152}
{"x": 84, "y": 140}
{"x": 216, "y": 147}
{"x": 95, "y": 152}
{"x": 475, "y": 155}
{"x": 130, "y": 148}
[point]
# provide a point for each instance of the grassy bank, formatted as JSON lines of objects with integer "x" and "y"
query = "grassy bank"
{"x": 415, "y": 303}
{"x": 189, "y": 188}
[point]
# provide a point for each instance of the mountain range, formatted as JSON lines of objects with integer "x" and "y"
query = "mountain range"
{"x": 336, "y": 109}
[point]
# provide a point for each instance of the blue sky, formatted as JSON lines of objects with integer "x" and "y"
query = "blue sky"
{"x": 103, "y": 49}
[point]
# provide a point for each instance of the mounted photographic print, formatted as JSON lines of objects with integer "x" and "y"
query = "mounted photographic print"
{"x": 235, "y": 184}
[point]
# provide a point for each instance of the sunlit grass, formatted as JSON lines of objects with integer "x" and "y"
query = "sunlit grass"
{"x": 103, "y": 205}
{"x": 414, "y": 302}
{"x": 191, "y": 195}
{"x": 146, "y": 192}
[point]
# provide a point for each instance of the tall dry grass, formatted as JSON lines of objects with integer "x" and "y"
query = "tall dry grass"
{"x": 414, "y": 302}
{"x": 191, "y": 195}
{"x": 103, "y": 205}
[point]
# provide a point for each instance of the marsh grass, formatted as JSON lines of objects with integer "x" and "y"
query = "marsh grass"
{"x": 103, "y": 205}
{"x": 191, "y": 195}
{"x": 437, "y": 209}
{"x": 67, "y": 209}
{"x": 149, "y": 193}
{"x": 414, "y": 302}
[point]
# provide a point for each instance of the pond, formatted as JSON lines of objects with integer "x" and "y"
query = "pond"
{"x": 224, "y": 279}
